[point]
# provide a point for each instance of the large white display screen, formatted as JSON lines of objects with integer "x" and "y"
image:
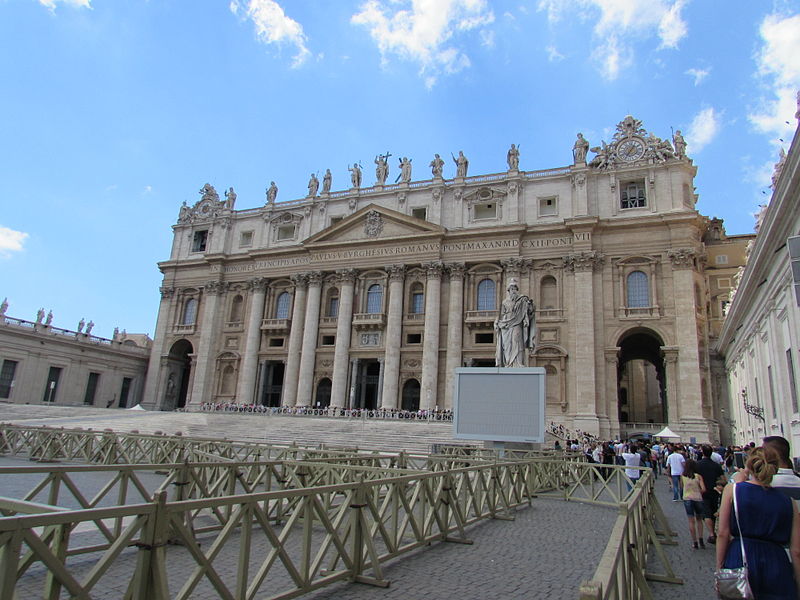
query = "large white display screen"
{"x": 501, "y": 405}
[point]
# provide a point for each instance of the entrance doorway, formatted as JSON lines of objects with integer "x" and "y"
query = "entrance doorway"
{"x": 272, "y": 387}
{"x": 323, "y": 398}
{"x": 369, "y": 372}
{"x": 411, "y": 390}
{"x": 179, "y": 367}
{"x": 641, "y": 380}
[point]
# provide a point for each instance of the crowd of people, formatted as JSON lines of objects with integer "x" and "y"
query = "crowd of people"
{"x": 331, "y": 411}
{"x": 763, "y": 521}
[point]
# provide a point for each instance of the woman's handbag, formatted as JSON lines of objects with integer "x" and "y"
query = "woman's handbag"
{"x": 732, "y": 584}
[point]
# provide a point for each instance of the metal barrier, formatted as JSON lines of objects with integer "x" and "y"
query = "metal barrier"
{"x": 282, "y": 528}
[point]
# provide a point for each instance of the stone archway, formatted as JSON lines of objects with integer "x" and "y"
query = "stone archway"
{"x": 641, "y": 382}
{"x": 411, "y": 393}
{"x": 178, "y": 374}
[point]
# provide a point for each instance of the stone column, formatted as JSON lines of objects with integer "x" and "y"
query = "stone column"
{"x": 203, "y": 372}
{"x": 155, "y": 384}
{"x": 609, "y": 422}
{"x": 455, "y": 329}
{"x": 393, "y": 341}
{"x": 245, "y": 390}
{"x": 344, "y": 324}
{"x": 353, "y": 381}
{"x": 583, "y": 265}
{"x": 308, "y": 354}
{"x": 290, "y": 377}
{"x": 381, "y": 369}
{"x": 430, "y": 346}
{"x": 670, "y": 354}
{"x": 689, "y": 397}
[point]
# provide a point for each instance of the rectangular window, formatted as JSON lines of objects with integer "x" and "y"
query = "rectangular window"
{"x": 199, "y": 241}
{"x": 7, "y": 378}
{"x": 484, "y": 338}
{"x": 91, "y": 388}
{"x": 486, "y": 211}
{"x": 419, "y": 213}
{"x": 51, "y": 387}
{"x": 772, "y": 392}
{"x": 276, "y": 342}
{"x": 333, "y": 307}
{"x": 124, "y": 391}
{"x": 335, "y": 220}
{"x": 246, "y": 239}
{"x": 724, "y": 283}
{"x": 417, "y": 303}
{"x": 792, "y": 382}
{"x": 632, "y": 195}
{"x": 286, "y": 232}
{"x": 414, "y": 338}
{"x": 328, "y": 340}
{"x": 721, "y": 259}
{"x": 548, "y": 207}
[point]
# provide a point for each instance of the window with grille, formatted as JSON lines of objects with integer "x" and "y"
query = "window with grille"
{"x": 417, "y": 299}
{"x": 7, "y": 378}
{"x": 189, "y": 312}
{"x": 638, "y": 290}
{"x": 632, "y": 195}
{"x": 199, "y": 241}
{"x": 333, "y": 306}
{"x": 486, "y": 295}
{"x": 374, "y": 299}
{"x": 282, "y": 306}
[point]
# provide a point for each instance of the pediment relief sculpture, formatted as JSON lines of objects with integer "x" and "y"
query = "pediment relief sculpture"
{"x": 208, "y": 208}
{"x": 632, "y": 144}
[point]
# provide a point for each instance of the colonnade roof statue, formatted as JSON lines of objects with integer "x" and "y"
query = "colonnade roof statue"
{"x": 515, "y": 327}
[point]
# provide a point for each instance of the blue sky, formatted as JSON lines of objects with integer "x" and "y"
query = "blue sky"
{"x": 114, "y": 112}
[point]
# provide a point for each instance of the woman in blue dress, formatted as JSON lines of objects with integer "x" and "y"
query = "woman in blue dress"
{"x": 769, "y": 522}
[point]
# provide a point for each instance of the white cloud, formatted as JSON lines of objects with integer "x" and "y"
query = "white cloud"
{"x": 553, "y": 55}
{"x": 422, "y": 31}
{"x": 779, "y": 70}
{"x": 618, "y": 23}
{"x": 148, "y": 189}
{"x": 273, "y": 26}
{"x": 698, "y": 74}
{"x": 10, "y": 241}
{"x": 51, "y": 4}
{"x": 704, "y": 128}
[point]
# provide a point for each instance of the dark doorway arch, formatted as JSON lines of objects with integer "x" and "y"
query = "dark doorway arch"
{"x": 411, "y": 389}
{"x": 179, "y": 366}
{"x": 641, "y": 379}
{"x": 323, "y": 399}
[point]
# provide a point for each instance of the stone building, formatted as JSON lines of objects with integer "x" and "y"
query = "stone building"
{"x": 41, "y": 363}
{"x": 760, "y": 339}
{"x": 372, "y": 296}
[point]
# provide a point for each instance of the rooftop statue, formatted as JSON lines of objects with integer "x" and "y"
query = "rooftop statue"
{"x": 313, "y": 186}
{"x": 326, "y": 182}
{"x": 230, "y": 198}
{"x": 405, "y": 170}
{"x": 512, "y": 158}
{"x": 437, "y": 164}
{"x": 4, "y": 306}
{"x": 679, "y": 143}
{"x": 39, "y": 316}
{"x": 381, "y": 168}
{"x": 579, "y": 150}
{"x": 355, "y": 175}
{"x": 515, "y": 328}
{"x": 49, "y": 318}
{"x": 272, "y": 192}
{"x": 462, "y": 164}
{"x": 207, "y": 192}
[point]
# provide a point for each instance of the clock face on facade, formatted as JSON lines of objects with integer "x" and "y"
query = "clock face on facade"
{"x": 630, "y": 149}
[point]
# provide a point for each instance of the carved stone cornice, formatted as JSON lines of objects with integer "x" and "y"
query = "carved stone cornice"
{"x": 583, "y": 261}
{"x": 166, "y": 292}
{"x": 257, "y": 284}
{"x": 682, "y": 258}
{"x": 314, "y": 278}
{"x": 300, "y": 280}
{"x": 396, "y": 272}
{"x": 433, "y": 270}
{"x": 346, "y": 276}
{"x": 456, "y": 270}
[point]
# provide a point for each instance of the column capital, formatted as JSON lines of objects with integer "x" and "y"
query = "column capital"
{"x": 612, "y": 356}
{"x": 346, "y": 276}
{"x": 456, "y": 270}
{"x": 584, "y": 261}
{"x": 214, "y": 288}
{"x": 512, "y": 266}
{"x": 314, "y": 278}
{"x": 300, "y": 280}
{"x": 433, "y": 270}
{"x": 396, "y": 272}
{"x": 257, "y": 284}
{"x": 166, "y": 292}
{"x": 670, "y": 353}
{"x": 683, "y": 258}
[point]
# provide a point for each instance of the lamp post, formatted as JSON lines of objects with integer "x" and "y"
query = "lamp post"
{"x": 752, "y": 409}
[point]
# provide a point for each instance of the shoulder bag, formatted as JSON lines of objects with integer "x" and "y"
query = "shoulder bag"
{"x": 732, "y": 584}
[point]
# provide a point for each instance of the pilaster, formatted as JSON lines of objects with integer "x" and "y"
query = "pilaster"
{"x": 245, "y": 391}
{"x": 430, "y": 347}
{"x": 290, "y": 379}
{"x": 393, "y": 341}
{"x": 455, "y": 329}
{"x": 346, "y": 279}
{"x": 209, "y": 329}
{"x": 308, "y": 353}
{"x": 154, "y": 388}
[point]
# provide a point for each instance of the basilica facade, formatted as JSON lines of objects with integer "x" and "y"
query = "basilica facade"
{"x": 372, "y": 296}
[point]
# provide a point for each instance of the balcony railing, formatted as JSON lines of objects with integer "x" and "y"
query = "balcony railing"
{"x": 369, "y": 320}
{"x": 275, "y": 324}
{"x": 650, "y": 312}
{"x": 184, "y": 329}
{"x": 480, "y": 316}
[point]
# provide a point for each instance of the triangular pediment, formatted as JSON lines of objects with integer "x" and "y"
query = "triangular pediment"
{"x": 374, "y": 223}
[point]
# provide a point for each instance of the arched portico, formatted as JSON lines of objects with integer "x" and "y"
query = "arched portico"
{"x": 177, "y": 373}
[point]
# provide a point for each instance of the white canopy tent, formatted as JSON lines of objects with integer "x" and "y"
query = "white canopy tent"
{"x": 667, "y": 433}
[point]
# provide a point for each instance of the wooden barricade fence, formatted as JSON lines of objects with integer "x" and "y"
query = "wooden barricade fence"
{"x": 283, "y": 527}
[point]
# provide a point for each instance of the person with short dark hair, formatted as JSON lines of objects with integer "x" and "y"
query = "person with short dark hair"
{"x": 710, "y": 471}
{"x": 785, "y": 479}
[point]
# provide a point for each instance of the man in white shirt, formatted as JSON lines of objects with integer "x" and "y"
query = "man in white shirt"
{"x": 632, "y": 459}
{"x": 675, "y": 463}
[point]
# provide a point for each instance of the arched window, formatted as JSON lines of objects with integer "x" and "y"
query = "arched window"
{"x": 417, "y": 305}
{"x": 486, "y": 295}
{"x": 323, "y": 399}
{"x": 411, "y": 390}
{"x": 189, "y": 312}
{"x": 236, "y": 309}
{"x": 638, "y": 290}
{"x": 282, "y": 306}
{"x": 374, "y": 299}
{"x": 549, "y": 292}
